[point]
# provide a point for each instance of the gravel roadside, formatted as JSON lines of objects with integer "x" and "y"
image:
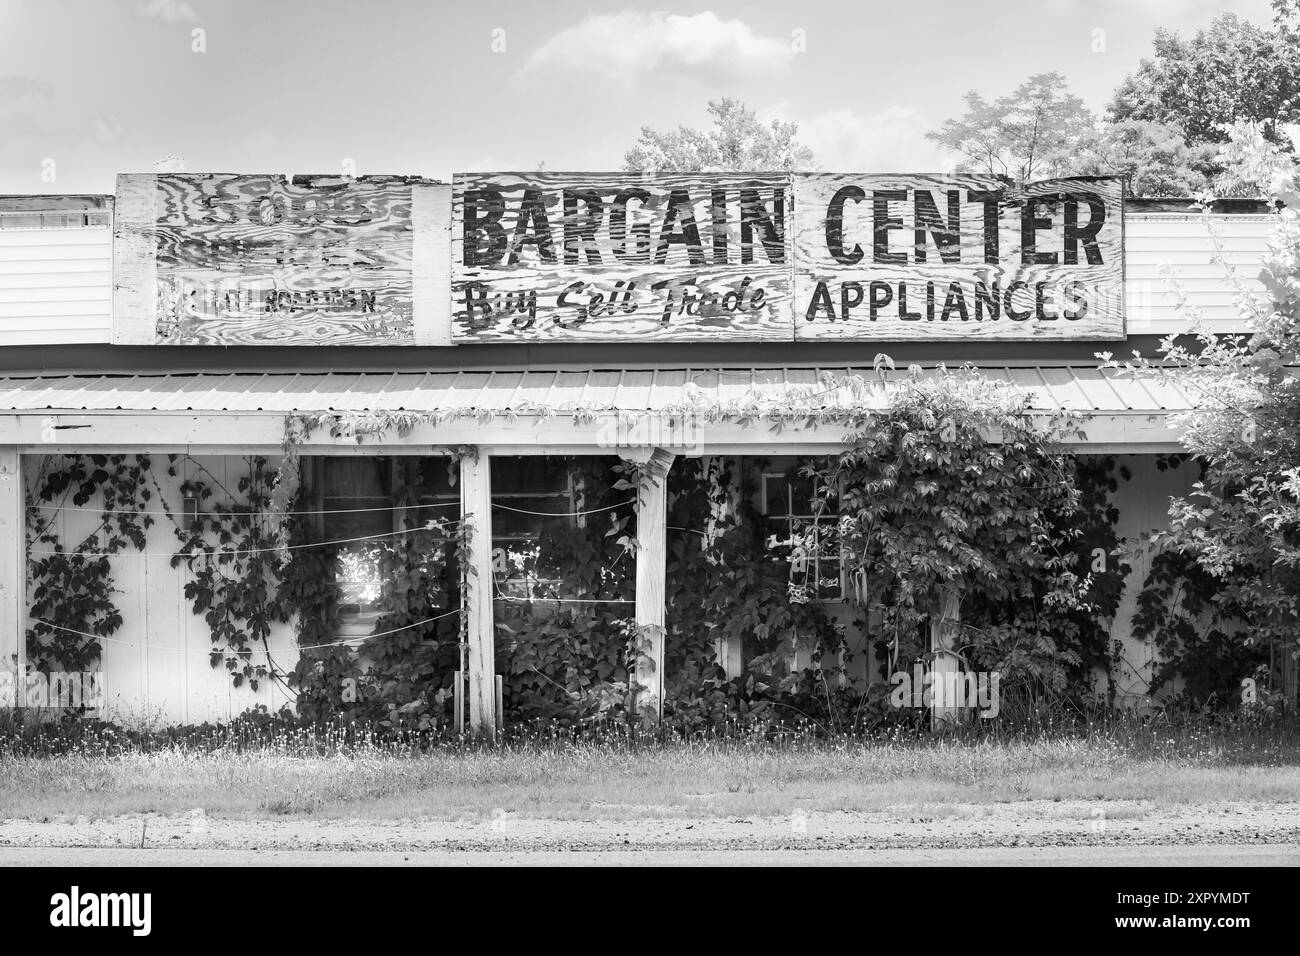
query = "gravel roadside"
{"x": 1021, "y": 824}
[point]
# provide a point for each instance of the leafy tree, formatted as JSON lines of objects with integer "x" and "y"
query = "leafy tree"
{"x": 1031, "y": 132}
{"x": 1241, "y": 522}
{"x": 1154, "y": 156}
{"x": 736, "y": 142}
{"x": 1286, "y": 20}
{"x": 1250, "y": 163}
{"x": 1235, "y": 70}
{"x": 931, "y": 505}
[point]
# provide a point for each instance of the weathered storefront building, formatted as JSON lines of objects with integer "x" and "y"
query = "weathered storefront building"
{"x": 469, "y": 379}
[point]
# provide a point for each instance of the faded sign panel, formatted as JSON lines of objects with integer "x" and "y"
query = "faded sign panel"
{"x": 912, "y": 257}
{"x": 603, "y": 257}
{"x": 265, "y": 260}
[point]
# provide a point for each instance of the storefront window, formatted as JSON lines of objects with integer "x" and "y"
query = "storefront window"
{"x": 432, "y": 508}
{"x": 357, "y": 502}
{"x": 805, "y": 515}
{"x": 364, "y": 502}
{"x": 532, "y": 497}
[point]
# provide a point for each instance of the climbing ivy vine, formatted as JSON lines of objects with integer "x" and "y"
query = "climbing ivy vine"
{"x": 962, "y": 488}
{"x": 1196, "y": 624}
{"x": 70, "y": 583}
{"x": 253, "y": 563}
{"x": 567, "y": 648}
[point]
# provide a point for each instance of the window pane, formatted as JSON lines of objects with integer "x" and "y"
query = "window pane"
{"x": 355, "y": 497}
{"x": 776, "y": 503}
{"x": 810, "y": 513}
{"x": 528, "y": 516}
{"x": 358, "y": 576}
{"x": 529, "y": 474}
{"x": 828, "y": 498}
{"x": 439, "y": 498}
{"x": 828, "y": 578}
{"x": 435, "y": 478}
{"x": 531, "y": 501}
{"x": 354, "y": 475}
{"x": 357, "y": 504}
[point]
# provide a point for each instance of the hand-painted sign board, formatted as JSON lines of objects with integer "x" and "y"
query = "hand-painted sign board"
{"x": 914, "y": 257}
{"x": 601, "y": 257}
{"x": 217, "y": 259}
{"x": 223, "y": 259}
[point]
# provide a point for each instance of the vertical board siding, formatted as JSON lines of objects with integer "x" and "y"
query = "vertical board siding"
{"x": 56, "y": 285}
{"x": 431, "y": 268}
{"x": 135, "y": 275}
{"x": 155, "y": 669}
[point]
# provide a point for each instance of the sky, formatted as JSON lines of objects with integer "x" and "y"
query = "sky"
{"x": 91, "y": 88}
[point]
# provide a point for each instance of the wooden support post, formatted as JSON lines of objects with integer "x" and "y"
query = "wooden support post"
{"x": 13, "y": 560}
{"x": 651, "y": 571}
{"x": 945, "y": 670}
{"x": 480, "y": 676}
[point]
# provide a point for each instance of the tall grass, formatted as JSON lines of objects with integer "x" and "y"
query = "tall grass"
{"x": 264, "y": 767}
{"x": 1245, "y": 737}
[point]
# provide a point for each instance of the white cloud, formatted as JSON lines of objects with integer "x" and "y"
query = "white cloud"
{"x": 628, "y": 44}
{"x": 889, "y": 141}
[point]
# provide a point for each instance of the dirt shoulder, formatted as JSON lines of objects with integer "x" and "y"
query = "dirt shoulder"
{"x": 1019, "y": 824}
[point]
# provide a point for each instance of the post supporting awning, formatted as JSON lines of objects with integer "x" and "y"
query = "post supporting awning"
{"x": 651, "y": 574}
{"x": 479, "y": 628}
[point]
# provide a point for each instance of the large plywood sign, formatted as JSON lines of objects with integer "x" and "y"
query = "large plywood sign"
{"x": 620, "y": 257}
{"x": 913, "y": 257}
{"x": 218, "y": 259}
{"x": 223, "y": 259}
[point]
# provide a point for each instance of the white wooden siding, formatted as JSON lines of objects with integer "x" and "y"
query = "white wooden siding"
{"x": 1165, "y": 251}
{"x": 56, "y": 285}
{"x": 155, "y": 668}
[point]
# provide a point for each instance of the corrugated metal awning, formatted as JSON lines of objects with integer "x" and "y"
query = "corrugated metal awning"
{"x": 1076, "y": 388}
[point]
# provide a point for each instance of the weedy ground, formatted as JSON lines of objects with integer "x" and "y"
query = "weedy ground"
{"x": 543, "y": 773}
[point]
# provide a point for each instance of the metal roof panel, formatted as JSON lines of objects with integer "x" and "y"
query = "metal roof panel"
{"x": 1083, "y": 388}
